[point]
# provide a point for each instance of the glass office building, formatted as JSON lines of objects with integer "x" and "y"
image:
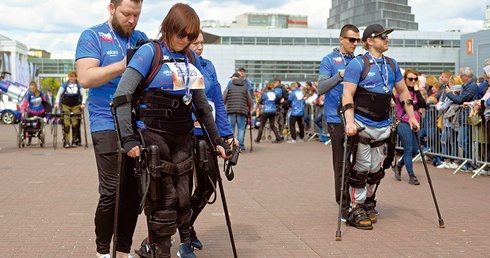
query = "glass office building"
{"x": 295, "y": 54}
{"x": 394, "y": 14}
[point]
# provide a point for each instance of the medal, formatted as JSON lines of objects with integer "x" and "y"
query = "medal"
{"x": 187, "y": 98}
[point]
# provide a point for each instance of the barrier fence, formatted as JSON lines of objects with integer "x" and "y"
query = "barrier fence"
{"x": 461, "y": 140}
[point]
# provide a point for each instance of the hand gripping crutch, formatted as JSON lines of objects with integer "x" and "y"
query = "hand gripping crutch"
{"x": 416, "y": 135}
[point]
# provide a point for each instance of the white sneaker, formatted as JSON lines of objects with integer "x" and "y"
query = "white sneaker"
{"x": 443, "y": 165}
{"x": 103, "y": 255}
{"x": 300, "y": 140}
{"x": 291, "y": 141}
{"x": 452, "y": 166}
{"x": 482, "y": 172}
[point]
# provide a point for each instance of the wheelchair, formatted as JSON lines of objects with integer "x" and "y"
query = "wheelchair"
{"x": 32, "y": 127}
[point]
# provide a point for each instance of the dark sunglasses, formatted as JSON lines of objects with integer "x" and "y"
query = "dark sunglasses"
{"x": 190, "y": 36}
{"x": 383, "y": 36}
{"x": 352, "y": 40}
{"x": 412, "y": 79}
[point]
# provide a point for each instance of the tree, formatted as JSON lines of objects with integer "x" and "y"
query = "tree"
{"x": 50, "y": 84}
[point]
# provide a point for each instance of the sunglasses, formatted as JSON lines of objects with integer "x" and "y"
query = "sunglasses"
{"x": 353, "y": 40}
{"x": 382, "y": 36}
{"x": 412, "y": 79}
{"x": 190, "y": 36}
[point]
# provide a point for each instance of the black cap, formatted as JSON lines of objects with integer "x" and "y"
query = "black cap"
{"x": 374, "y": 30}
{"x": 242, "y": 69}
{"x": 237, "y": 75}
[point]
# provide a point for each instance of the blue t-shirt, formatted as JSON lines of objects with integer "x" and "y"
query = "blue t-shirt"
{"x": 214, "y": 95}
{"x": 297, "y": 100}
{"x": 380, "y": 78}
{"x": 103, "y": 44}
{"x": 35, "y": 103}
{"x": 331, "y": 65}
{"x": 269, "y": 105}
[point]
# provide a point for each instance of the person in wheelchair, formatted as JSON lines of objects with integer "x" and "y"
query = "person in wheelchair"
{"x": 33, "y": 106}
{"x": 72, "y": 98}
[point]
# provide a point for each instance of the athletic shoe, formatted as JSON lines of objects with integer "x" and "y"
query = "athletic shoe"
{"x": 276, "y": 141}
{"x": 413, "y": 180}
{"x": 452, "y": 166}
{"x": 186, "y": 251}
{"x": 443, "y": 165}
{"x": 301, "y": 140}
{"x": 482, "y": 172}
{"x": 291, "y": 141}
{"x": 398, "y": 172}
{"x": 256, "y": 140}
{"x": 194, "y": 240}
{"x": 103, "y": 256}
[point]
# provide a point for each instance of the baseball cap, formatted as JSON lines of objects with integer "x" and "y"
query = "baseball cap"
{"x": 374, "y": 30}
{"x": 236, "y": 75}
{"x": 242, "y": 69}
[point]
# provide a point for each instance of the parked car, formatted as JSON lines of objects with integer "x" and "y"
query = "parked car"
{"x": 9, "y": 111}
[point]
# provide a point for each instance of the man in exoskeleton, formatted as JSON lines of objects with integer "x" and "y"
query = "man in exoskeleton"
{"x": 366, "y": 104}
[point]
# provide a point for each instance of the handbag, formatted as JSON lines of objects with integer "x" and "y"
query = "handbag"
{"x": 440, "y": 124}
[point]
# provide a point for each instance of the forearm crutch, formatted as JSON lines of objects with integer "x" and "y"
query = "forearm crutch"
{"x": 441, "y": 221}
{"x": 338, "y": 233}
{"x": 251, "y": 140}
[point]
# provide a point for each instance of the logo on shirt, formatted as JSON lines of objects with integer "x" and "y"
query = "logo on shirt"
{"x": 112, "y": 53}
{"x": 106, "y": 37}
{"x": 337, "y": 60}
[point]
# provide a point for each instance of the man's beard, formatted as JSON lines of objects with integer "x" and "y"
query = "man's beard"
{"x": 116, "y": 26}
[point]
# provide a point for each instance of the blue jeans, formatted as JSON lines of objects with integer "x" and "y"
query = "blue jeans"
{"x": 410, "y": 147}
{"x": 241, "y": 123}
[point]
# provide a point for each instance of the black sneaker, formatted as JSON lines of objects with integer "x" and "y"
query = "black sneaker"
{"x": 256, "y": 140}
{"x": 276, "y": 141}
{"x": 66, "y": 144}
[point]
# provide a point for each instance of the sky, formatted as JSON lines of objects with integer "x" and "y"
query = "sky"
{"x": 55, "y": 25}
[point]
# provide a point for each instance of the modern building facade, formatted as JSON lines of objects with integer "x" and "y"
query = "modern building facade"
{"x": 396, "y": 14}
{"x": 475, "y": 49}
{"x": 295, "y": 54}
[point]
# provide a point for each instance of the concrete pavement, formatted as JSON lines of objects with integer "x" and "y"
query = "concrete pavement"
{"x": 281, "y": 204}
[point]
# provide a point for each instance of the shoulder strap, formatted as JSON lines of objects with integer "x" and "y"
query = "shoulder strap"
{"x": 156, "y": 63}
{"x": 365, "y": 70}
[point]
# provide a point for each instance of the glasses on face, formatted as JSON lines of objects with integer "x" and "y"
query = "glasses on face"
{"x": 383, "y": 36}
{"x": 412, "y": 79}
{"x": 190, "y": 36}
{"x": 352, "y": 40}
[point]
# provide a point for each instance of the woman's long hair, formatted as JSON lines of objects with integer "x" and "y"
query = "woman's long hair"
{"x": 181, "y": 17}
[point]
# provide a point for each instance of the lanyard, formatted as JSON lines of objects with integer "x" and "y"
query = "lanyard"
{"x": 186, "y": 77}
{"x": 123, "y": 51}
{"x": 385, "y": 78}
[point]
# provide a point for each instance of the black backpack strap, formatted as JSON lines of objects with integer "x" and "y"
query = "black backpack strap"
{"x": 365, "y": 70}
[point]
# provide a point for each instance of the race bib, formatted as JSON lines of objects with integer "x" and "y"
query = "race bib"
{"x": 72, "y": 89}
{"x": 179, "y": 72}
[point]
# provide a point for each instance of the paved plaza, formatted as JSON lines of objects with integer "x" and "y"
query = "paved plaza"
{"x": 281, "y": 204}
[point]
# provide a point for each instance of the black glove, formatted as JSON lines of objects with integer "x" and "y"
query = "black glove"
{"x": 129, "y": 142}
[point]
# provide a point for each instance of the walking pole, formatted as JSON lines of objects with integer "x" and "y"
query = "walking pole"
{"x": 251, "y": 137}
{"x": 84, "y": 129}
{"x": 441, "y": 221}
{"x": 215, "y": 152}
{"x": 120, "y": 159}
{"x": 338, "y": 233}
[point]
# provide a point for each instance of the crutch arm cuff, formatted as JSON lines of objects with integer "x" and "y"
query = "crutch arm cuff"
{"x": 347, "y": 106}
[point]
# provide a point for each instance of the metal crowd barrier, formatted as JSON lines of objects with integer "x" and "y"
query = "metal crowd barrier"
{"x": 473, "y": 150}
